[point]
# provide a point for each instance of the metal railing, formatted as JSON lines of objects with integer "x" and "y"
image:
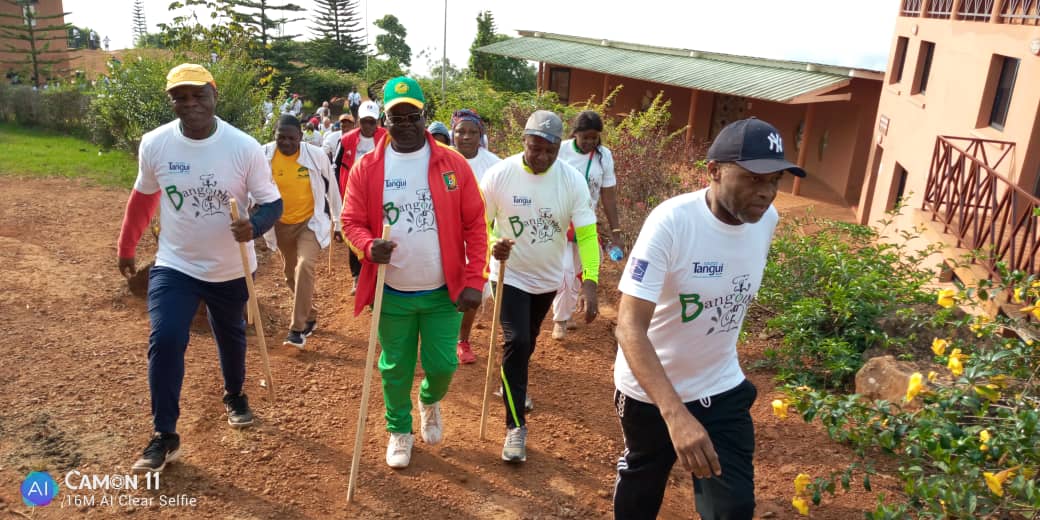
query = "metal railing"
{"x": 976, "y": 10}
{"x": 911, "y": 8}
{"x": 939, "y": 8}
{"x": 1022, "y": 12}
{"x": 981, "y": 208}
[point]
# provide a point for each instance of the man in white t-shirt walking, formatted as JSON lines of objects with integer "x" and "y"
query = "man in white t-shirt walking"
{"x": 354, "y": 102}
{"x": 532, "y": 198}
{"x": 691, "y": 275}
{"x": 194, "y": 165}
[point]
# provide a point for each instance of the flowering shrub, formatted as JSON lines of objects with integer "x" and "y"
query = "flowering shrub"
{"x": 966, "y": 437}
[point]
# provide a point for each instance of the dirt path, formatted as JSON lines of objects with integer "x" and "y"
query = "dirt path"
{"x": 73, "y": 377}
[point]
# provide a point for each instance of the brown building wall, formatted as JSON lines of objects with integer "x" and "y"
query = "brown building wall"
{"x": 43, "y": 8}
{"x": 957, "y": 102}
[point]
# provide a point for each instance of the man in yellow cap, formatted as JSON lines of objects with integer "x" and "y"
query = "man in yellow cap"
{"x": 193, "y": 166}
{"x": 437, "y": 256}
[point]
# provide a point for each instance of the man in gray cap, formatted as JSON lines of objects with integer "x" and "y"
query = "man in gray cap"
{"x": 691, "y": 276}
{"x": 532, "y": 199}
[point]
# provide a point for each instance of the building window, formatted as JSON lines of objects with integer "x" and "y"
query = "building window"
{"x": 898, "y": 187}
{"x": 1002, "y": 94}
{"x": 899, "y": 60}
{"x": 924, "y": 67}
{"x": 560, "y": 83}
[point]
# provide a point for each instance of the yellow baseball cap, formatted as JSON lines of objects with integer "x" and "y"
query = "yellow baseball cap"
{"x": 189, "y": 74}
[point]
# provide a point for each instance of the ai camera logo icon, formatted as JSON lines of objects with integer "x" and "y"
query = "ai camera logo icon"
{"x": 39, "y": 489}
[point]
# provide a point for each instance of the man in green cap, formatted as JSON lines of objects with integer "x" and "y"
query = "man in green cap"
{"x": 437, "y": 259}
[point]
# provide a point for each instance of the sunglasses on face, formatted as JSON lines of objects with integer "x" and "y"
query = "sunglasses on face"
{"x": 412, "y": 118}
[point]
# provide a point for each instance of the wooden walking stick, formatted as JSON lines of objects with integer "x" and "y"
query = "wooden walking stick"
{"x": 332, "y": 240}
{"x": 254, "y": 308}
{"x": 373, "y": 334}
{"x": 491, "y": 349}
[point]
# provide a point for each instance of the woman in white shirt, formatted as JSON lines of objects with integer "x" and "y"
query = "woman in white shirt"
{"x": 586, "y": 153}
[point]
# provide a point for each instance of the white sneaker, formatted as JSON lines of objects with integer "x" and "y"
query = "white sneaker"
{"x": 514, "y": 449}
{"x": 432, "y": 426}
{"x": 559, "y": 330}
{"x": 399, "y": 450}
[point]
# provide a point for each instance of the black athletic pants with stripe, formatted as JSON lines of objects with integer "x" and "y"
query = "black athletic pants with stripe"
{"x": 649, "y": 455}
{"x": 521, "y": 317}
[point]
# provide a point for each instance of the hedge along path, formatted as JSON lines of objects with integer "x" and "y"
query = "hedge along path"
{"x": 254, "y": 308}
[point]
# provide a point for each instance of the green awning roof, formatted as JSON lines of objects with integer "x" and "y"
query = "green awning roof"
{"x": 772, "y": 80}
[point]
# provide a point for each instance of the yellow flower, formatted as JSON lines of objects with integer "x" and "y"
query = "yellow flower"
{"x": 801, "y": 504}
{"x": 984, "y": 439}
{"x": 939, "y": 346}
{"x": 1034, "y": 309}
{"x": 780, "y": 408}
{"x": 988, "y": 391}
{"x": 914, "y": 387}
{"x": 801, "y": 483}
{"x": 955, "y": 365}
{"x": 995, "y": 482}
{"x": 932, "y": 376}
{"x": 947, "y": 298}
{"x": 1017, "y": 296}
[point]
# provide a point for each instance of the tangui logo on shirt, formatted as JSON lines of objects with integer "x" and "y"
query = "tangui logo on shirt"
{"x": 395, "y": 184}
{"x": 521, "y": 200}
{"x": 179, "y": 168}
{"x": 707, "y": 269}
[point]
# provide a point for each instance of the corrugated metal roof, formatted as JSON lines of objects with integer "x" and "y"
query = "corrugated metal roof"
{"x": 747, "y": 77}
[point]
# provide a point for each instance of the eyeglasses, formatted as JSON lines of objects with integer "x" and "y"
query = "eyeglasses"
{"x": 412, "y": 118}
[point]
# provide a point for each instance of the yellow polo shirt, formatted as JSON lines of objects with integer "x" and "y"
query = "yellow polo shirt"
{"x": 294, "y": 183}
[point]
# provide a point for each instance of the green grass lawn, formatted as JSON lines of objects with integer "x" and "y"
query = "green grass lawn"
{"x": 42, "y": 153}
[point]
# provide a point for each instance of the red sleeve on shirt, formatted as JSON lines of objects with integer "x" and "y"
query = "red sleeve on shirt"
{"x": 139, "y": 210}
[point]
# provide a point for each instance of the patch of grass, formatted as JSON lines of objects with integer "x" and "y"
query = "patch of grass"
{"x": 42, "y": 153}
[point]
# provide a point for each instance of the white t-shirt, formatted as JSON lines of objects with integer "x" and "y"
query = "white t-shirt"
{"x": 364, "y": 145}
{"x": 535, "y": 211}
{"x": 197, "y": 179}
{"x": 415, "y": 264}
{"x": 482, "y": 161}
{"x": 600, "y": 168}
{"x": 331, "y": 143}
{"x": 702, "y": 274}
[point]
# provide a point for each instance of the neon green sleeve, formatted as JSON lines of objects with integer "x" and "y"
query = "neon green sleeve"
{"x": 588, "y": 249}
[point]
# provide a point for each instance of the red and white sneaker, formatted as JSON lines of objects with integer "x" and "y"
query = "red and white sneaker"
{"x": 465, "y": 353}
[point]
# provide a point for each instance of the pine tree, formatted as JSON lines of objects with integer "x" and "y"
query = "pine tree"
{"x": 392, "y": 44}
{"x": 338, "y": 43}
{"x": 140, "y": 29}
{"x": 504, "y": 73}
{"x": 37, "y": 31}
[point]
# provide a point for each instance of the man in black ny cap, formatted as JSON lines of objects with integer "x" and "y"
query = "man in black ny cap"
{"x": 691, "y": 275}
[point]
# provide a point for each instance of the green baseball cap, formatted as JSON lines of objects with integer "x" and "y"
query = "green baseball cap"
{"x": 403, "y": 89}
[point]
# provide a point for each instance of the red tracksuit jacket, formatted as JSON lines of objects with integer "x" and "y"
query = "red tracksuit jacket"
{"x": 462, "y": 227}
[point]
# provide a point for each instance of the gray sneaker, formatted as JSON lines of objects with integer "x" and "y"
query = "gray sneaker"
{"x": 514, "y": 449}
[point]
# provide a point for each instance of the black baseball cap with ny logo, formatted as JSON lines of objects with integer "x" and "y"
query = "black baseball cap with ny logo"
{"x": 753, "y": 144}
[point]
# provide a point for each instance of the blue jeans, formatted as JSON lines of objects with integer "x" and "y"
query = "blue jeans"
{"x": 173, "y": 299}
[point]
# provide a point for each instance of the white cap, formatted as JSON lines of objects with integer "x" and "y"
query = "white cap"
{"x": 368, "y": 109}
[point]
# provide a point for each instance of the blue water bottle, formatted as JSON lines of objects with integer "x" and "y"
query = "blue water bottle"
{"x": 616, "y": 254}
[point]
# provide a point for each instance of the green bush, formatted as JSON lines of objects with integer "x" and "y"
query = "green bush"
{"x": 829, "y": 288}
{"x": 318, "y": 84}
{"x": 133, "y": 101}
{"x": 64, "y": 109}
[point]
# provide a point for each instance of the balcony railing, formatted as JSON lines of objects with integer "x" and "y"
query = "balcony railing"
{"x": 981, "y": 208}
{"x": 1015, "y": 12}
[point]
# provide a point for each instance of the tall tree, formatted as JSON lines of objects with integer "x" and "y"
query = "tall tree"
{"x": 339, "y": 43}
{"x": 504, "y": 73}
{"x": 257, "y": 15}
{"x": 140, "y": 29}
{"x": 392, "y": 44}
{"x": 36, "y": 31}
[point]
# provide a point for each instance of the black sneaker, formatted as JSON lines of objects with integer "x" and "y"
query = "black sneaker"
{"x": 163, "y": 448}
{"x": 238, "y": 413}
{"x": 310, "y": 328}
{"x": 296, "y": 339}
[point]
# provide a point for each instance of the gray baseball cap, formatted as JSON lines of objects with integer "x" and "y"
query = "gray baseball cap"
{"x": 546, "y": 125}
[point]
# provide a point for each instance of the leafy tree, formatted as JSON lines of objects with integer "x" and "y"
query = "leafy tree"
{"x": 392, "y": 44}
{"x": 504, "y": 73}
{"x": 338, "y": 44}
{"x": 223, "y": 36}
{"x": 140, "y": 29}
{"x": 36, "y": 32}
